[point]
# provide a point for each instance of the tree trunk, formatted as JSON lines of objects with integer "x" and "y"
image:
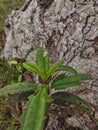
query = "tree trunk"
{"x": 67, "y": 28}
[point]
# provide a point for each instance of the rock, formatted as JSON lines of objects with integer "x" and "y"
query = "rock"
{"x": 73, "y": 121}
{"x": 69, "y": 27}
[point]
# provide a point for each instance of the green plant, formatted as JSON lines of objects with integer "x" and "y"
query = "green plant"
{"x": 19, "y": 69}
{"x": 8, "y": 72}
{"x": 49, "y": 79}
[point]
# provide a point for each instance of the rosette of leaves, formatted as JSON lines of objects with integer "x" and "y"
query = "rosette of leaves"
{"x": 34, "y": 116}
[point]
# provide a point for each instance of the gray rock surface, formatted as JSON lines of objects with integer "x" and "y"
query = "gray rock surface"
{"x": 67, "y": 28}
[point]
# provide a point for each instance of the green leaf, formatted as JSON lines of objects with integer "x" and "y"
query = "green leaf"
{"x": 54, "y": 68}
{"x": 33, "y": 67}
{"x": 13, "y": 62}
{"x": 62, "y": 82}
{"x": 20, "y": 78}
{"x": 33, "y": 118}
{"x": 68, "y": 69}
{"x": 67, "y": 99}
{"x": 60, "y": 76}
{"x": 61, "y": 79}
{"x": 67, "y": 85}
{"x": 40, "y": 59}
{"x": 47, "y": 63}
{"x": 17, "y": 88}
{"x": 19, "y": 68}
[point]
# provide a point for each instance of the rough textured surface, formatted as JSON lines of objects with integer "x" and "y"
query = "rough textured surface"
{"x": 68, "y": 29}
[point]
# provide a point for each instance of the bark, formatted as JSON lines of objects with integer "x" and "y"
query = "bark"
{"x": 68, "y": 29}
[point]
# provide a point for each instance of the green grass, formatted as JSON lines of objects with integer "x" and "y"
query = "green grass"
{"x": 8, "y": 74}
{"x": 9, "y": 116}
{"x": 6, "y": 6}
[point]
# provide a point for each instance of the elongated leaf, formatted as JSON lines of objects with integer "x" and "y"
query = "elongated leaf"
{"x": 17, "y": 88}
{"x": 40, "y": 59}
{"x": 69, "y": 81}
{"x": 47, "y": 63}
{"x": 33, "y": 67}
{"x": 67, "y": 85}
{"x": 33, "y": 118}
{"x": 54, "y": 68}
{"x": 67, "y": 69}
{"x": 67, "y": 99}
{"x": 60, "y": 76}
{"x": 66, "y": 79}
